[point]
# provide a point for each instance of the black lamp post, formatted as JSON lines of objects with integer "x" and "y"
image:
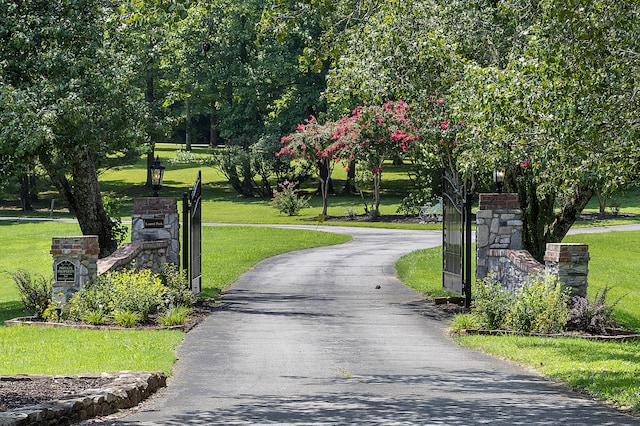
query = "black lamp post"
{"x": 498, "y": 179}
{"x": 157, "y": 173}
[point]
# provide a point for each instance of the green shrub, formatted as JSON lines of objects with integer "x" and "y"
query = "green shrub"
{"x": 492, "y": 303}
{"x": 140, "y": 292}
{"x": 178, "y": 315}
{"x": 178, "y": 290}
{"x": 35, "y": 292}
{"x": 126, "y": 318}
{"x": 287, "y": 200}
{"x": 540, "y": 307}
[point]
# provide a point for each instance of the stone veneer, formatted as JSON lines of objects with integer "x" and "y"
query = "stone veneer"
{"x": 498, "y": 249}
{"x": 570, "y": 264}
{"x": 74, "y": 264}
{"x": 141, "y": 255}
{"x": 127, "y": 389}
{"x": 498, "y": 226}
{"x": 154, "y": 219}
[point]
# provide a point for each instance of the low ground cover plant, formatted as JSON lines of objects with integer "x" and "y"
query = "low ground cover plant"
{"x": 126, "y": 298}
{"x": 541, "y": 307}
{"x": 129, "y": 297}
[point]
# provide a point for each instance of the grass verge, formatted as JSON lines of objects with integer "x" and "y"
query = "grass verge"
{"x": 607, "y": 370}
{"x": 38, "y": 350}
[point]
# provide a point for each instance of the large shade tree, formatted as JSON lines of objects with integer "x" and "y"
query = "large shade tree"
{"x": 561, "y": 115}
{"x": 66, "y": 99}
{"x": 549, "y": 92}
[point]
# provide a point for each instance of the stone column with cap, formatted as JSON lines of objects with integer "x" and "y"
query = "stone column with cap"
{"x": 498, "y": 226}
{"x": 570, "y": 264}
{"x": 157, "y": 218}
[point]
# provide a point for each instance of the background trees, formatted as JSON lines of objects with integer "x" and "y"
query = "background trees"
{"x": 546, "y": 90}
{"x": 67, "y": 100}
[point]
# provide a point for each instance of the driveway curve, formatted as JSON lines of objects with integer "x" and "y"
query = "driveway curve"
{"x": 329, "y": 336}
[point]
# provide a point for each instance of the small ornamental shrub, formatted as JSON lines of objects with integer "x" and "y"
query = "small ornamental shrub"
{"x": 178, "y": 291}
{"x": 540, "y": 307}
{"x": 287, "y": 200}
{"x": 591, "y": 316}
{"x": 138, "y": 291}
{"x": 492, "y": 303}
{"x": 35, "y": 292}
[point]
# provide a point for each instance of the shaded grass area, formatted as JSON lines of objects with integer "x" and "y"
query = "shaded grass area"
{"x": 38, "y": 350}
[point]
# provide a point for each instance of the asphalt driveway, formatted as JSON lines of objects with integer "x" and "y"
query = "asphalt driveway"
{"x": 329, "y": 336}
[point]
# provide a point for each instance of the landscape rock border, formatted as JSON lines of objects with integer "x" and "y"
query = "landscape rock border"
{"x": 126, "y": 390}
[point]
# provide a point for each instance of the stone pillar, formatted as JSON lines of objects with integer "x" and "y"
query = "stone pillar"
{"x": 570, "y": 264}
{"x": 156, "y": 218}
{"x": 74, "y": 264}
{"x": 498, "y": 226}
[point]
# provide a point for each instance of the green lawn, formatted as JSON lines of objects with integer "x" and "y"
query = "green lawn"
{"x": 608, "y": 370}
{"x": 227, "y": 252}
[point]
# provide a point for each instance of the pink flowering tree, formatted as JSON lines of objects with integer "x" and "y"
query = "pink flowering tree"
{"x": 320, "y": 144}
{"x": 379, "y": 132}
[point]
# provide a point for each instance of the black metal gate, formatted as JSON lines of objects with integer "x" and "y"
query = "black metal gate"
{"x": 456, "y": 238}
{"x": 192, "y": 234}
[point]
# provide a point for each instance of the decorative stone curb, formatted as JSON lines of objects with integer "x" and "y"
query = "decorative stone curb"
{"x": 125, "y": 391}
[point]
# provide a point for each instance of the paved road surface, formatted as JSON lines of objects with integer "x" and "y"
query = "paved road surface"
{"x": 308, "y": 338}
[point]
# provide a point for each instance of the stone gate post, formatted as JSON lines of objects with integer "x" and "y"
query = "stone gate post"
{"x": 156, "y": 218}
{"x": 498, "y": 226}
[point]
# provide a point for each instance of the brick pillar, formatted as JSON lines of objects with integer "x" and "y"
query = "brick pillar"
{"x": 498, "y": 226}
{"x": 74, "y": 264}
{"x": 156, "y": 218}
{"x": 570, "y": 264}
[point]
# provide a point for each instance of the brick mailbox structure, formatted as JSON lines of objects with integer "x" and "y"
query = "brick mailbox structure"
{"x": 74, "y": 264}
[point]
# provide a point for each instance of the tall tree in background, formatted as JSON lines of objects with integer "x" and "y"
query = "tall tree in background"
{"x": 68, "y": 99}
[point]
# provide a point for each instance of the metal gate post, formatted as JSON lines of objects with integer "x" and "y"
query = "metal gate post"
{"x": 186, "y": 217}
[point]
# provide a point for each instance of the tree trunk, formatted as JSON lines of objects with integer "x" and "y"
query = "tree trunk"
{"x": 25, "y": 193}
{"x": 187, "y": 125}
{"x": 570, "y": 212}
{"x": 541, "y": 225}
{"x": 349, "y": 185}
{"x": 83, "y": 195}
{"x": 213, "y": 128}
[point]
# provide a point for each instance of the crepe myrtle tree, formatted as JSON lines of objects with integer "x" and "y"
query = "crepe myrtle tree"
{"x": 381, "y": 132}
{"x": 324, "y": 145}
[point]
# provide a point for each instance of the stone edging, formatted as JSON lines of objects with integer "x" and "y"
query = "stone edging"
{"x": 125, "y": 391}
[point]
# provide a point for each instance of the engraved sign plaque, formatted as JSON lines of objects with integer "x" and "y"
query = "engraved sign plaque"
{"x": 65, "y": 271}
